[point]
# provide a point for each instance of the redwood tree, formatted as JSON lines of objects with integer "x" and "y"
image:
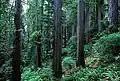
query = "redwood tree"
{"x": 57, "y": 69}
{"x": 80, "y": 34}
{"x": 113, "y": 14}
{"x": 87, "y": 25}
{"x": 39, "y": 46}
{"x": 16, "y": 74}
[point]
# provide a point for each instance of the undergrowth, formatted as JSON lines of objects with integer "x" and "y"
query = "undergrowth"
{"x": 102, "y": 62}
{"x": 108, "y": 73}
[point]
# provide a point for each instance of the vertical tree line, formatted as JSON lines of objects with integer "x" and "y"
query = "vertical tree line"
{"x": 80, "y": 34}
{"x": 57, "y": 68}
{"x": 39, "y": 47}
{"x": 16, "y": 74}
{"x": 113, "y": 15}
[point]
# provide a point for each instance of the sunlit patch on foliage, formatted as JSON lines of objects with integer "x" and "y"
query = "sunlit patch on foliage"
{"x": 91, "y": 60}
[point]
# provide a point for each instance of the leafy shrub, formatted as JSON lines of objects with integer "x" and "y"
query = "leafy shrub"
{"x": 71, "y": 48}
{"x": 107, "y": 47}
{"x": 66, "y": 52}
{"x": 42, "y": 74}
{"x": 6, "y": 70}
{"x": 109, "y": 73}
{"x": 89, "y": 61}
{"x": 68, "y": 62}
{"x": 72, "y": 42}
{"x": 87, "y": 49}
{"x": 5, "y": 62}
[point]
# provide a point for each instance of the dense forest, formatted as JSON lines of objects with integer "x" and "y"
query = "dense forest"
{"x": 59, "y": 40}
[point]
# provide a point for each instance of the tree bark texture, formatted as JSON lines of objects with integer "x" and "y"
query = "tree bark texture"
{"x": 16, "y": 74}
{"x": 113, "y": 14}
{"x": 57, "y": 68}
{"x": 80, "y": 34}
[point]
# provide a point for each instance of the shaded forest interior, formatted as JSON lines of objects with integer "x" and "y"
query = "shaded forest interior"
{"x": 59, "y": 40}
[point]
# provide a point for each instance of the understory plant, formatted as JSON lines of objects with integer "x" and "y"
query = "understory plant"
{"x": 41, "y": 74}
{"x": 107, "y": 47}
{"x": 109, "y": 73}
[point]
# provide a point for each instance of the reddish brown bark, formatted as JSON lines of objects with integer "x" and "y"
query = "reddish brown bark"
{"x": 39, "y": 51}
{"x": 80, "y": 34}
{"x": 16, "y": 74}
{"x": 57, "y": 68}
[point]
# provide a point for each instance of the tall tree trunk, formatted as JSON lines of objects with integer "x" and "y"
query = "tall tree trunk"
{"x": 99, "y": 16}
{"x": 16, "y": 74}
{"x": 113, "y": 15}
{"x": 80, "y": 34}
{"x": 65, "y": 38}
{"x": 99, "y": 4}
{"x": 57, "y": 68}
{"x": 42, "y": 4}
{"x": 39, "y": 46}
{"x": 96, "y": 16}
{"x": 39, "y": 51}
{"x": 87, "y": 24}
